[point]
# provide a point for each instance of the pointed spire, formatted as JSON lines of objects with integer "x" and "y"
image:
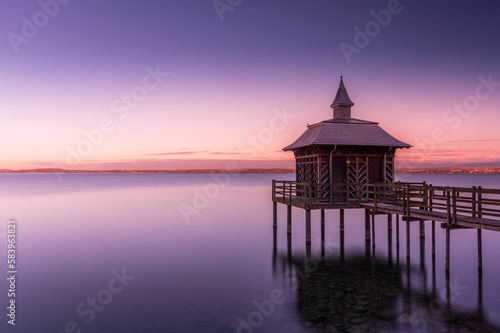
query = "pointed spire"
{"x": 342, "y": 103}
{"x": 342, "y": 97}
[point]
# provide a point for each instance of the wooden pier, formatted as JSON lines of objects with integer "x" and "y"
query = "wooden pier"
{"x": 348, "y": 163}
{"x": 454, "y": 207}
{"x": 457, "y": 207}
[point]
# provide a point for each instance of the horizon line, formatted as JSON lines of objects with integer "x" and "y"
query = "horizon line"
{"x": 451, "y": 170}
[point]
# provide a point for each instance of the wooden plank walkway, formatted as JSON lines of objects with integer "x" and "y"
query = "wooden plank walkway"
{"x": 419, "y": 214}
{"x": 458, "y": 207}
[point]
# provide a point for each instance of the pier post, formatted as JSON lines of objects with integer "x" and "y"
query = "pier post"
{"x": 367, "y": 232}
{"x": 434, "y": 257}
{"x": 422, "y": 229}
{"x": 373, "y": 244}
{"x": 289, "y": 246}
{"x": 397, "y": 239}
{"x": 448, "y": 206}
{"x": 408, "y": 201}
{"x": 408, "y": 242}
{"x": 447, "y": 269}
{"x": 479, "y": 202}
{"x": 480, "y": 270}
{"x": 434, "y": 240}
{"x": 308, "y": 225}
{"x": 454, "y": 205}
{"x": 275, "y": 239}
{"x": 289, "y": 219}
{"x": 389, "y": 225}
{"x": 367, "y": 226}
{"x": 308, "y": 232}
{"x": 422, "y": 251}
{"x": 275, "y": 248}
{"x": 474, "y": 201}
{"x": 275, "y": 214}
{"x": 389, "y": 237}
{"x": 447, "y": 250}
{"x": 322, "y": 233}
{"x": 479, "y": 251}
{"x": 323, "y": 227}
{"x": 426, "y": 196}
{"x": 341, "y": 227}
{"x": 373, "y": 234}
{"x": 342, "y": 216}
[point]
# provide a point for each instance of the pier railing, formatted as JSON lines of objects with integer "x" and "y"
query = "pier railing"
{"x": 289, "y": 192}
{"x": 474, "y": 202}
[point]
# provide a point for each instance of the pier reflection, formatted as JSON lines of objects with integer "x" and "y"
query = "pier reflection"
{"x": 361, "y": 292}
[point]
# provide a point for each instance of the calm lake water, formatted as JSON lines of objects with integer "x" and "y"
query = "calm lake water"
{"x": 178, "y": 253}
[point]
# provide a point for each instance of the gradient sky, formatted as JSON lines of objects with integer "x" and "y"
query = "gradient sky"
{"x": 229, "y": 78}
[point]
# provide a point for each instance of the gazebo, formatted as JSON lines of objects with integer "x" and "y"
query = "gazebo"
{"x": 348, "y": 163}
{"x": 340, "y": 157}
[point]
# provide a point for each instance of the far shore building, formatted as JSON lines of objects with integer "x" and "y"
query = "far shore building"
{"x": 344, "y": 153}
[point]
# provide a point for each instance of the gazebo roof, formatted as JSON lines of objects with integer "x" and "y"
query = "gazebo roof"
{"x": 346, "y": 132}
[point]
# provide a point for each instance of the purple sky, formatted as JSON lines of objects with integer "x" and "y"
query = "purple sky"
{"x": 243, "y": 81}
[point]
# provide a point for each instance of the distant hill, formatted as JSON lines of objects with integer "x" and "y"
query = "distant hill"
{"x": 492, "y": 167}
{"x": 56, "y": 170}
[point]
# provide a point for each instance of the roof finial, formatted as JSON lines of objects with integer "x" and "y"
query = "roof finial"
{"x": 341, "y": 98}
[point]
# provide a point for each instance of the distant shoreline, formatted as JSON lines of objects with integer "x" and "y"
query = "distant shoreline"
{"x": 483, "y": 170}
{"x": 234, "y": 171}
{"x": 453, "y": 171}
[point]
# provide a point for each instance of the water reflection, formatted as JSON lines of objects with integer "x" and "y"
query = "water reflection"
{"x": 362, "y": 292}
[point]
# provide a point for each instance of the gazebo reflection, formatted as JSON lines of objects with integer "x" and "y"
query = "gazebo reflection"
{"x": 360, "y": 293}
